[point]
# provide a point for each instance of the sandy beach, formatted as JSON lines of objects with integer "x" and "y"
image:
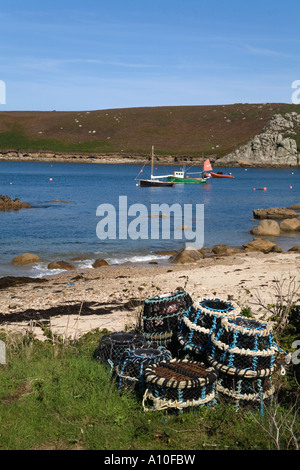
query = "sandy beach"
{"x": 111, "y": 298}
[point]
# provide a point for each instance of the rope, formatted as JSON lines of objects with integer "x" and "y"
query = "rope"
{"x": 258, "y": 396}
{"x": 233, "y": 371}
{"x": 140, "y": 172}
{"x": 163, "y": 404}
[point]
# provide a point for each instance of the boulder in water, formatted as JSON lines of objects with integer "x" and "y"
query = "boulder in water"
{"x": 61, "y": 265}
{"x": 290, "y": 225}
{"x": 99, "y": 263}
{"x": 26, "y": 258}
{"x": 266, "y": 227}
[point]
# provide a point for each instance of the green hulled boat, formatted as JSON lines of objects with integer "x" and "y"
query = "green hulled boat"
{"x": 180, "y": 177}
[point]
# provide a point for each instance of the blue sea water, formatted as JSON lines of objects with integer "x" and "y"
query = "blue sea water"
{"x": 64, "y": 230}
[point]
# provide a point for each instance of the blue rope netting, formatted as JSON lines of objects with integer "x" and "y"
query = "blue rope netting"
{"x": 161, "y": 316}
{"x": 179, "y": 384}
{"x": 112, "y": 346}
{"x": 131, "y": 370}
{"x": 243, "y": 346}
{"x": 244, "y": 390}
{"x": 200, "y": 320}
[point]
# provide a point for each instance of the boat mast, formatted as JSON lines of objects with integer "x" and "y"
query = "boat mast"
{"x": 152, "y": 156}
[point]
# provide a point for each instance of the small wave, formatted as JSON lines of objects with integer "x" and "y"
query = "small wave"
{"x": 137, "y": 259}
{"x": 41, "y": 270}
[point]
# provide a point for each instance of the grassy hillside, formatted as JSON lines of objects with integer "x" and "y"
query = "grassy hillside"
{"x": 193, "y": 131}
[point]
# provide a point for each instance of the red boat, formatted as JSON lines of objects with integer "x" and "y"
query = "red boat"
{"x": 220, "y": 175}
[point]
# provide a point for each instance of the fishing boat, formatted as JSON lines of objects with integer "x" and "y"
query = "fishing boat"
{"x": 221, "y": 175}
{"x": 154, "y": 181}
{"x": 181, "y": 177}
{"x": 212, "y": 174}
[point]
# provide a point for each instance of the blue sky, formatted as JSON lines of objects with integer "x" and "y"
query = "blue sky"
{"x": 95, "y": 54}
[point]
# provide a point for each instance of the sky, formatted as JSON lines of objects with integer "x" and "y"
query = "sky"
{"x": 95, "y": 54}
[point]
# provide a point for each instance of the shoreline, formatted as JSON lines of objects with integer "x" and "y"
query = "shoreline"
{"x": 117, "y": 159}
{"x": 111, "y": 297}
{"x": 40, "y": 267}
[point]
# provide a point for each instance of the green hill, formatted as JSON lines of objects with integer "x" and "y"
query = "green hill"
{"x": 193, "y": 131}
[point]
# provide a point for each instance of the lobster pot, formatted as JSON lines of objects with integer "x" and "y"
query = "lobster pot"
{"x": 243, "y": 347}
{"x": 214, "y": 310}
{"x": 130, "y": 372}
{"x": 193, "y": 335}
{"x": 112, "y": 346}
{"x": 161, "y": 316}
{"x": 245, "y": 391}
{"x": 201, "y": 320}
{"x": 179, "y": 384}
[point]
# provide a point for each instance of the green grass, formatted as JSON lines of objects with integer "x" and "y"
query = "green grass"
{"x": 16, "y": 139}
{"x": 56, "y": 396}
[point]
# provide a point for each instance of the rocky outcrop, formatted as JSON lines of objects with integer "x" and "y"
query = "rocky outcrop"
{"x": 8, "y": 204}
{"x": 263, "y": 245}
{"x": 275, "y": 213}
{"x": 225, "y": 250}
{"x": 295, "y": 207}
{"x": 294, "y": 249}
{"x": 274, "y": 147}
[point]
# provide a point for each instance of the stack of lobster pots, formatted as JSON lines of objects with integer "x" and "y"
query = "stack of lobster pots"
{"x": 219, "y": 352}
{"x": 243, "y": 351}
{"x": 240, "y": 349}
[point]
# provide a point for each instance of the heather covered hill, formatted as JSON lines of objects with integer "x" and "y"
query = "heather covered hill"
{"x": 194, "y": 131}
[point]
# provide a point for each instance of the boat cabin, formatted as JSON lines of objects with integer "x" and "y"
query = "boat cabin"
{"x": 178, "y": 174}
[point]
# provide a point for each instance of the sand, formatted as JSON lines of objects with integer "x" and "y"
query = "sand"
{"x": 111, "y": 298}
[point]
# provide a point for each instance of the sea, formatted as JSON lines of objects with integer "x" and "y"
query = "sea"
{"x": 68, "y": 212}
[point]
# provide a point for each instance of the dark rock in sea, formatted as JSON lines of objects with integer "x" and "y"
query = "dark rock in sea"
{"x": 8, "y": 204}
{"x": 26, "y": 258}
{"x": 99, "y": 263}
{"x": 61, "y": 265}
